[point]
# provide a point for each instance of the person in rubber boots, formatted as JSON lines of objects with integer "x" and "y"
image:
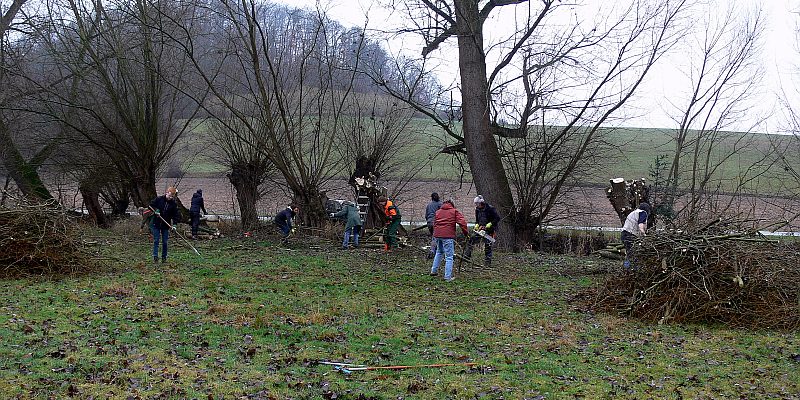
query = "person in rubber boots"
{"x": 392, "y": 221}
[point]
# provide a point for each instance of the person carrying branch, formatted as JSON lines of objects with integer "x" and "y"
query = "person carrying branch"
{"x": 635, "y": 225}
{"x": 165, "y": 209}
{"x": 353, "y": 224}
{"x": 392, "y": 223}
{"x": 284, "y": 222}
{"x": 444, "y": 231}
{"x": 194, "y": 211}
{"x": 486, "y": 219}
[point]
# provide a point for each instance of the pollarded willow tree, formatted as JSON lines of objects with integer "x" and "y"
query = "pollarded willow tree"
{"x": 125, "y": 88}
{"x": 21, "y": 156}
{"x": 248, "y": 168}
{"x": 532, "y": 102}
{"x": 289, "y": 78}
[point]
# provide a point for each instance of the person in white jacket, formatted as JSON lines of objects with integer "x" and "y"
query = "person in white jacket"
{"x": 635, "y": 225}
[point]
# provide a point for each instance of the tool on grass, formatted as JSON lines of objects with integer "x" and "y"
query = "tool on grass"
{"x": 176, "y": 231}
{"x": 338, "y": 364}
{"x": 351, "y": 369}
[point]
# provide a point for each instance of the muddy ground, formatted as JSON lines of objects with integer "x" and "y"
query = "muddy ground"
{"x": 586, "y": 207}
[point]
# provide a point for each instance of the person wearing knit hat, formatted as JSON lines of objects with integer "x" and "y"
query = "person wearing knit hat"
{"x": 486, "y": 219}
{"x": 166, "y": 211}
{"x": 194, "y": 211}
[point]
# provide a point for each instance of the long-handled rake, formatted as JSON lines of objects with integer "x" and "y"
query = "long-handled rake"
{"x": 176, "y": 231}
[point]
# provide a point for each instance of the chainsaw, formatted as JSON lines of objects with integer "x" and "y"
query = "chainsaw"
{"x": 482, "y": 233}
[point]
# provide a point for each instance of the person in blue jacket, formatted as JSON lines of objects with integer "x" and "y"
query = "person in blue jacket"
{"x": 430, "y": 215}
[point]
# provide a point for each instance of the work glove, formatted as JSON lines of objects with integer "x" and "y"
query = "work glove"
{"x": 157, "y": 213}
{"x": 174, "y": 228}
{"x": 489, "y": 225}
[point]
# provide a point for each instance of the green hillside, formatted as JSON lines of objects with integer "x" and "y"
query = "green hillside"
{"x": 637, "y": 149}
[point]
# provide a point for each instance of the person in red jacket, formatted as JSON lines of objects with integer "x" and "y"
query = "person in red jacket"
{"x": 444, "y": 230}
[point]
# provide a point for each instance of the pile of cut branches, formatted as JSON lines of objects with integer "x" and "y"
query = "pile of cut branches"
{"x": 39, "y": 239}
{"x": 719, "y": 274}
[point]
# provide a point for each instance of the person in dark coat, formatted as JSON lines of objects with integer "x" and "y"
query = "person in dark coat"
{"x": 166, "y": 210}
{"x": 194, "y": 211}
{"x": 486, "y": 219}
{"x": 284, "y": 222}
{"x": 430, "y": 214}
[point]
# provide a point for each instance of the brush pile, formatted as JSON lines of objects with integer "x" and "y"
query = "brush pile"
{"x": 718, "y": 274}
{"x": 38, "y": 239}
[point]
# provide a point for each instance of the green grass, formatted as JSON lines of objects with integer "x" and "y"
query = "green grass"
{"x": 254, "y": 319}
{"x": 641, "y": 147}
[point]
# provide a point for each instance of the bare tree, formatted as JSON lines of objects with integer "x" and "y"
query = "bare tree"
{"x": 786, "y": 145}
{"x": 379, "y": 136}
{"x": 295, "y": 71}
{"x": 17, "y": 36}
{"x": 122, "y": 87}
{"x": 723, "y": 74}
{"x": 551, "y": 87}
{"x": 248, "y": 168}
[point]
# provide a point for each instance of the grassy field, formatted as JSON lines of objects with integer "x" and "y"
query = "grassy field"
{"x": 641, "y": 147}
{"x": 253, "y": 320}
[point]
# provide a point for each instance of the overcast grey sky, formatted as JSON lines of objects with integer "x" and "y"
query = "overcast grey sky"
{"x": 779, "y": 54}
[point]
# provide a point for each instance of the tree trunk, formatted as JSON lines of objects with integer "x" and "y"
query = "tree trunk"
{"x": 312, "y": 204}
{"x": 91, "y": 199}
{"x": 143, "y": 190}
{"x": 482, "y": 152}
{"x": 243, "y": 178}
{"x": 26, "y": 177}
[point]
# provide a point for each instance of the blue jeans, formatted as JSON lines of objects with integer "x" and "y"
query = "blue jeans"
{"x": 354, "y": 230}
{"x": 444, "y": 247}
{"x": 160, "y": 233}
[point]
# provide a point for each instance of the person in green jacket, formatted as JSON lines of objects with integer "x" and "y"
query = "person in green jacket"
{"x": 353, "y": 226}
{"x": 392, "y": 223}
